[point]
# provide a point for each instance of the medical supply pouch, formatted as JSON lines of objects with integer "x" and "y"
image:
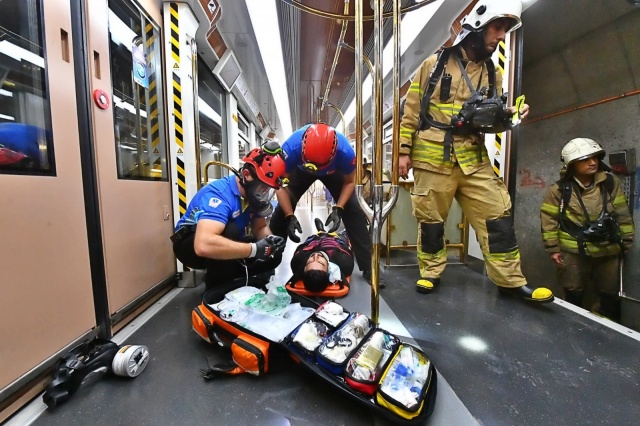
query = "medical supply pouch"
{"x": 364, "y": 369}
{"x": 246, "y": 320}
{"x": 408, "y": 383}
{"x": 305, "y": 339}
{"x": 331, "y": 313}
{"x": 330, "y": 342}
{"x": 337, "y": 348}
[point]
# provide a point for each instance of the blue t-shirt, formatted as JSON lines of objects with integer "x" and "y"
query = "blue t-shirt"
{"x": 220, "y": 201}
{"x": 23, "y": 138}
{"x": 344, "y": 161}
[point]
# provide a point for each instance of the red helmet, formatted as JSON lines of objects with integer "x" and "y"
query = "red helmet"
{"x": 8, "y": 156}
{"x": 269, "y": 168}
{"x": 319, "y": 145}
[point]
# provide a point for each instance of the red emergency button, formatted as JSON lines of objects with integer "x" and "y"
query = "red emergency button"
{"x": 101, "y": 98}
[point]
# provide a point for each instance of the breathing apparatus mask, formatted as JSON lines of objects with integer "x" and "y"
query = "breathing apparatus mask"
{"x": 267, "y": 169}
{"x": 603, "y": 230}
{"x": 481, "y": 114}
{"x": 259, "y": 195}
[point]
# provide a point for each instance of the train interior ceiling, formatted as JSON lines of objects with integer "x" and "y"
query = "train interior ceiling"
{"x": 101, "y": 105}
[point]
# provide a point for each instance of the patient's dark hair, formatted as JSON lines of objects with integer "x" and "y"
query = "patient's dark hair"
{"x": 315, "y": 280}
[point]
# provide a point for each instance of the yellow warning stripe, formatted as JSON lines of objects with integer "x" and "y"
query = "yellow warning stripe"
{"x": 154, "y": 124}
{"x": 175, "y": 34}
{"x": 177, "y": 108}
{"x": 498, "y": 141}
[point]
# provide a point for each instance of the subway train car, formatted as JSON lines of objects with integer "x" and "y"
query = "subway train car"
{"x": 114, "y": 113}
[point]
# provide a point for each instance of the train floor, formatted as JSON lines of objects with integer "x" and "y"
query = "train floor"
{"x": 500, "y": 361}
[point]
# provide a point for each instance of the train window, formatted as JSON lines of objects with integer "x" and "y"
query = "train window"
{"x": 243, "y": 136}
{"x": 136, "y": 73}
{"x": 210, "y": 96}
{"x": 26, "y": 142}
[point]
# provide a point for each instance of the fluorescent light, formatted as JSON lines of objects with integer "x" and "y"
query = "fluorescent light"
{"x": 120, "y": 32}
{"x": 19, "y": 54}
{"x": 411, "y": 26}
{"x": 119, "y": 103}
{"x": 7, "y": 117}
{"x": 207, "y": 111}
{"x": 264, "y": 19}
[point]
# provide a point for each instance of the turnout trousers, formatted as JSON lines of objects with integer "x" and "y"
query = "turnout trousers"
{"x": 485, "y": 202}
{"x": 355, "y": 222}
{"x": 591, "y": 283}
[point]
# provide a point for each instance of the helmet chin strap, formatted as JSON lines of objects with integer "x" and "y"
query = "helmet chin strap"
{"x": 476, "y": 44}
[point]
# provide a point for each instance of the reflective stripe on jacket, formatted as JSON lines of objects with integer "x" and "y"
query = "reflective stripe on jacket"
{"x": 426, "y": 147}
{"x": 556, "y": 240}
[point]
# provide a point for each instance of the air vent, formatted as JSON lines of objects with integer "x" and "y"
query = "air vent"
{"x": 227, "y": 70}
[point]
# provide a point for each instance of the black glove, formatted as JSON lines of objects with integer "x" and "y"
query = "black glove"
{"x": 269, "y": 247}
{"x": 292, "y": 227}
{"x": 335, "y": 217}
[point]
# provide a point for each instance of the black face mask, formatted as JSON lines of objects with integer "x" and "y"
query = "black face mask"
{"x": 259, "y": 196}
{"x": 475, "y": 41}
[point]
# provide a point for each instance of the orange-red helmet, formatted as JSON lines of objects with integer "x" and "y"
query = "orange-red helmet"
{"x": 269, "y": 168}
{"x": 8, "y": 156}
{"x": 319, "y": 146}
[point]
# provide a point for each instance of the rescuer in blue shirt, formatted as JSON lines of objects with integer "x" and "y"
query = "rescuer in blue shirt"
{"x": 211, "y": 233}
{"x": 319, "y": 152}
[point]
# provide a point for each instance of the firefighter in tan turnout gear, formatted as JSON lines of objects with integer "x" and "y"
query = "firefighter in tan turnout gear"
{"x": 453, "y": 100}
{"x": 586, "y": 228}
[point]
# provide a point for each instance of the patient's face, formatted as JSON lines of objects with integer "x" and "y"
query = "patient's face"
{"x": 317, "y": 262}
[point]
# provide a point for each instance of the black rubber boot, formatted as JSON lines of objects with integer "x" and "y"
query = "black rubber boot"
{"x": 381, "y": 282}
{"x": 574, "y": 296}
{"x": 610, "y": 306}
{"x": 529, "y": 294}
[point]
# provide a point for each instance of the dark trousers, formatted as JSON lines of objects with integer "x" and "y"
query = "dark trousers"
{"x": 355, "y": 222}
{"x": 222, "y": 271}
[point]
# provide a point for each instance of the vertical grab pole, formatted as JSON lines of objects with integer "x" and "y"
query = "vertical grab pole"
{"x": 358, "y": 76}
{"x": 376, "y": 193}
{"x": 196, "y": 111}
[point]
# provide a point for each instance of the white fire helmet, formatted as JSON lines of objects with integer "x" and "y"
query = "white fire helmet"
{"x": 579, "y": 149}
{"x": 486, "y": 11}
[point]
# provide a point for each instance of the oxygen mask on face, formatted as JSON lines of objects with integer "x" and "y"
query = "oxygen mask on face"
{"x": 259, "y": 196}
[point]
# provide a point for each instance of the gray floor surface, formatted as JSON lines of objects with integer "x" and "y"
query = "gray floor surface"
{"x": 500, "y": 362}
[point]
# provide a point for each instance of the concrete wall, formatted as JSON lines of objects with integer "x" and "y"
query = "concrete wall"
{"x": 567, "y": 73}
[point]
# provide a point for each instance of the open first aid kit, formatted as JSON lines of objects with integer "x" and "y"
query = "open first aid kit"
{"x": 346, "y": 349}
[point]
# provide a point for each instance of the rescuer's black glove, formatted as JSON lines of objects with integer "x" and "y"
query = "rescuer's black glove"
{"x": 268, "y": 247}
{"x": 292, "y": 226}
{"x": 335, "y": 217}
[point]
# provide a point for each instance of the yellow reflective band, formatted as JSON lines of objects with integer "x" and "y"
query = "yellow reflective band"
{"x": 627, "y": 229}
{"x": 550, "y": 208}
{"x": 512, "y": 255}
{"x": 415, "y": 88}
{"x": 551, "y": 235}
{"x": 447, "y": 108}
{"x": 429, "y": 256}
{"x": 620, "y": 199}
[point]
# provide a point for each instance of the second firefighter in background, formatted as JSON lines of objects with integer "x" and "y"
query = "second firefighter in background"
{"x": 587, "y": 228}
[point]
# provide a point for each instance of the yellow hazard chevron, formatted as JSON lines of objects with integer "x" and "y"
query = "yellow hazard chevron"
{"x": 177, "y": 108}
{"x": 498, "y": 140}
{"x": 152, "y": 102}
{"x": 175, "y": 35}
